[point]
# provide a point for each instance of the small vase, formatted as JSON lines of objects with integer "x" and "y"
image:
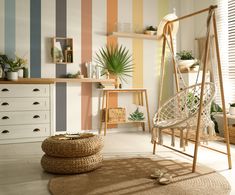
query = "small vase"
{"x": 12, "y": 76}
{"x": 117, "y": 83}
{"x": 21, "y": 73}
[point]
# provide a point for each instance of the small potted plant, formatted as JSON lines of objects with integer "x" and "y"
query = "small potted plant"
{"x": 12, "y": 72}
{"x": 79, "y": 75}
{"x": 232, "y": 109}
{"x": 185, "y": 59}
{"x": 150, "y": 30}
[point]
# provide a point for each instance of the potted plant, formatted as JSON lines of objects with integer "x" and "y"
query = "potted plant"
{"x": 12, "y": 72}
{"x": 232, "y": 109}
{"x": 115, "y": 60}
{"x": 185, "y": 59}
{"x": 150, "y": 30}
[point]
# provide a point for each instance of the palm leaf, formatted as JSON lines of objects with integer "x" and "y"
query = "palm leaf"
{"x": 116, "y": 60}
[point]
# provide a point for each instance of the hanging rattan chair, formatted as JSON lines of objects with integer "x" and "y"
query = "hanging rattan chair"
{"x": 181, "y": 111}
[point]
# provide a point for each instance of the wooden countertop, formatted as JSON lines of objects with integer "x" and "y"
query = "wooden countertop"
{"x": 55, "y": 80}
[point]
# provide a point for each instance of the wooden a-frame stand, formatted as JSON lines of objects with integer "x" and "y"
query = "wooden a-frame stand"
{"x": 168, "y": 32}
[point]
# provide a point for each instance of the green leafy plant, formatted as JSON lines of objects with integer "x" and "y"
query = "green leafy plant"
{"x": 12, "y": 65}
{"x": 116, "y": 60}
{"x": 136, "y": 115}
{"x": 185, "y": 55}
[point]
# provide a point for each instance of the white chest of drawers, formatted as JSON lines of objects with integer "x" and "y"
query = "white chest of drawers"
{"x": 26, "y": 112}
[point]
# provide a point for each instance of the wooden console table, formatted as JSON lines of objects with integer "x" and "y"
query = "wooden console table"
{"x": 105, "y": 106}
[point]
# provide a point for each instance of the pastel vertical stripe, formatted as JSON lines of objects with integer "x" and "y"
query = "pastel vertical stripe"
{"x": 35, "y": 38}
{"x": 48, "y": 18}
{"x": 74, "y": 89}
{"x": 61, "y": 94}
{"x": 10, "y": 28}
{"x": 23, "y": 29}
{"x": 125, "y": 16}
{"x": 86, "y": 45}
{"x": 99, "y": 16}
{"x": 2, "y": 22}
{"x": 151, "y": 65}
{"x": 112, "y": 17}
{"x": 137, "y": 22}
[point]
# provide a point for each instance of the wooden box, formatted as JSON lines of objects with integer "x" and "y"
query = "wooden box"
{"x": 115, "y": 114}
{"x": 231, "y": 130}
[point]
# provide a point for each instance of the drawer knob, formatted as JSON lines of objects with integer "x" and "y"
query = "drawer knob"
{"x": 36, "y": 89}
{"x": 5, "y": 131}
{"x": 36, "y": 116}
{"x": 5, "y": 117}
{"x": 36, "y": 130}
{"x": 5, "y": 90}
{"x": 5, "y": 104}
{"x": 36, "y": 103}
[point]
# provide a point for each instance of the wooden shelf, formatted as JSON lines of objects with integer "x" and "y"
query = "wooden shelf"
{"x": 55, "y": 80}
{"x": 133, "y": 35}
{"x": 125, "y": 122}
{"x": 84, "y": 80}
{"x": 67, "y": 54}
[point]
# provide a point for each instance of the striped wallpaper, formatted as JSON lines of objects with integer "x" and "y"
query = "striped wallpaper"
{"x": 28, "y": 26}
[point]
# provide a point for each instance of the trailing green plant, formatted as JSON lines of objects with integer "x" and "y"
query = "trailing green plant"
{"x": 185, "y": 55}
{"x": 136, "y": 115}
{"x": 116, "y": 60}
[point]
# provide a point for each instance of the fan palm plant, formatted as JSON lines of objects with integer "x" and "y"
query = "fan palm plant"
{"x": 116, "y": 60}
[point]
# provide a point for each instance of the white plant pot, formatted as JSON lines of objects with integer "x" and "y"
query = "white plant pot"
{"x": 20, "y": 73}
{"x": 232, "y": 110}
{"x": 186, "y": 63}
{"x": 12, "y": 76}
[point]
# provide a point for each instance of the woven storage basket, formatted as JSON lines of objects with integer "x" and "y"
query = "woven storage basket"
{"x": 116, "y": 114}
{"x": 58, "y": 146}
{"x": 231, "y": 130}
{"x": 71, "y": 165}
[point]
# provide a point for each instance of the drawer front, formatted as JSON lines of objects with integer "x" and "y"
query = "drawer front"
{"x": 24, "y": 90}
{"x": 18, "y": 104}
{"x": 24, "y": 131}
{"x": 26, "y": 117}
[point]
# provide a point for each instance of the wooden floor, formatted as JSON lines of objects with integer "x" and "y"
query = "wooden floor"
{"x": 20, "y": 171}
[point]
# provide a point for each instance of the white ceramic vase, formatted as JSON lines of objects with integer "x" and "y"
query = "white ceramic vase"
{"x": 20, "y": 73}
{"x": 232, "y": 110}
{"x": 12, "y": 76}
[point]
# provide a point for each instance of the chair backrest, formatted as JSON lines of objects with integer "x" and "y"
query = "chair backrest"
{"x": 184, "y": 105}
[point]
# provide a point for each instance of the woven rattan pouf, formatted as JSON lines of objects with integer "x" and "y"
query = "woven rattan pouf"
{"x": 70, "y": 154}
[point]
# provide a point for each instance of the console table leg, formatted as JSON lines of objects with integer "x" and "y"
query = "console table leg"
{"x": 101, "y": 113}
{"x": 106, "y": 112}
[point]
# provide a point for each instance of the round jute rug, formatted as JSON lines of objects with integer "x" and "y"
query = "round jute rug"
{"x": 132, "y": 177}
